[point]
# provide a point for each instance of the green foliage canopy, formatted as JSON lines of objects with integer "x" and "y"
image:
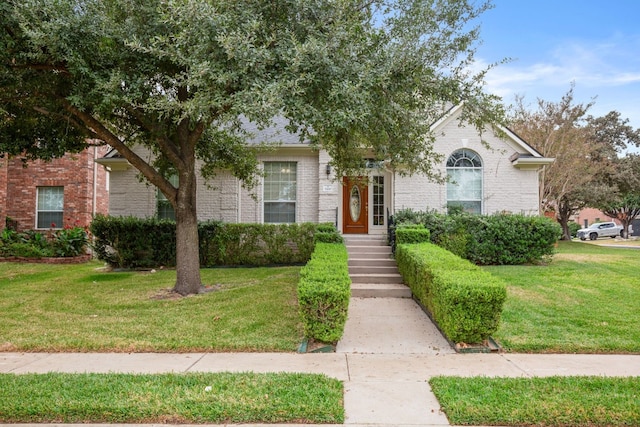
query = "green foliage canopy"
{"x": 346, "y": 74}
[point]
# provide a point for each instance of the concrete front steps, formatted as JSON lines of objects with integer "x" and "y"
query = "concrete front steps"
{"x": 373, "y": 271}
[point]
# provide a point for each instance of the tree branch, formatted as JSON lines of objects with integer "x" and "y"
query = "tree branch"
{"x": 43, "y": 67}
{"x": 167, "y": 147}
{"x": 57, "y": 116}
{"x": 98, "y": 129}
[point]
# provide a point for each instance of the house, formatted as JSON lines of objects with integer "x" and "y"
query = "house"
{"x": 43, "y": 195}
{"x": 587, "y": 216}
{"x": 299, "y": 185}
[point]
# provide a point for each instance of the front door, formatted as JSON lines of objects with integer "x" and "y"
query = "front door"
{"x": 355, "y": 208}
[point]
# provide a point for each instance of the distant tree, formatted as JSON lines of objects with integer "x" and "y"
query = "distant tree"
{"x": 558, "y": 130}
{"x": 613, "y": 134}
{"x": 179, "y": 77}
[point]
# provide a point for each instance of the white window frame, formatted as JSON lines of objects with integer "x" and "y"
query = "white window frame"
{"x": 161, "y": 198}
{"x": 376, "y": 184}
{"x": 58, "y": 209}
{"x": 467, "y": 162}
{"x": 284, "y": 196}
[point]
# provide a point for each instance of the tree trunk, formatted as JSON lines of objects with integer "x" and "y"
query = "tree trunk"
{"x": 563, "y": 214}
{"x": 566, "y": 233}
{"x": 187, "y": 243}
{"x": 626, "y": 223}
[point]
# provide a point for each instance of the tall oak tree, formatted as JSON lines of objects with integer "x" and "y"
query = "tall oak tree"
{"x": 180, "y": 77}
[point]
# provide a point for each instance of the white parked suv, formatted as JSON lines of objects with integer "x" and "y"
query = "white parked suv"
{"x": 600, "y": 229}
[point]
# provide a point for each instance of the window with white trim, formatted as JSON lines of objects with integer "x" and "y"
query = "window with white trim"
{"x": 378, "y": 200}
{"x": 50, "y": 207}
{"x": 280, "y": 192}
{"x": 164, "y": 208}
{"x": 464, "y": 185}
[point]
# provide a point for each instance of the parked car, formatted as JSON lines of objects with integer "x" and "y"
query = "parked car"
{"x": 600, "y": 229}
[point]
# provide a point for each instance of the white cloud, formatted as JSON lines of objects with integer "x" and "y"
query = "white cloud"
{"x": 609, "y": 71}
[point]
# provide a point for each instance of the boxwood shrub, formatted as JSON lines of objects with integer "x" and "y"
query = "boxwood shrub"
{"x": 496, "y": 239}
{"x": 128, "y": 242}
{"x": 412, "y": 233}
{"x": 464, "y": 300}
{"x": 324, "y": 291}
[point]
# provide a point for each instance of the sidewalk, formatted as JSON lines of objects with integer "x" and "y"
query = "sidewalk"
{"x": 380, "y": 389}
{"x": 388, "y": 354}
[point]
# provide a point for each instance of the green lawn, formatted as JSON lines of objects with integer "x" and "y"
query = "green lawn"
{"x": 551, "y": 402}
{"x": 170, "y": 398}
{"x": 83, "y": 308}
{"x": 587, "y": 300}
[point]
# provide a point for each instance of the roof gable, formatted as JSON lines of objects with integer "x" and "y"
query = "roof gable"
{"x": 525, "y": 155}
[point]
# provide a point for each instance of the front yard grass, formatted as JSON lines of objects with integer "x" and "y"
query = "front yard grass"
{"x": 170, "y": 398}
{"x": 57, "y": 308}
{"x": 587, "y": 300}
{"x": 551, "y": 402}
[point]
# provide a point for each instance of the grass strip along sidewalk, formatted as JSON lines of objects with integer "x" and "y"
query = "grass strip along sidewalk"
{"x": 170, "y": 398}
{"x": 551, "y": 402}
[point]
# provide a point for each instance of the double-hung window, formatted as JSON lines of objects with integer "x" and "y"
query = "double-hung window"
{"x": 464, "y": 185}
{"x": 50, "y": 207}
{"x": 164, "y": 207}
{"x": 280, "y": 192}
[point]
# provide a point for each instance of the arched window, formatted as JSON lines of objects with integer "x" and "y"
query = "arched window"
{"x": 464, "y": 185}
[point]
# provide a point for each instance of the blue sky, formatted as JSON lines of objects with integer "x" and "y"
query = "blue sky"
{"x": 594, "y": 43}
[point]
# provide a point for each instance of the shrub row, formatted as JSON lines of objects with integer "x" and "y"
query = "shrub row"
{"x": 324, "y": 291}
{"x": 128, "y": 242}
{"x": 499, "y": 239}
{"x": 464, "y": 300}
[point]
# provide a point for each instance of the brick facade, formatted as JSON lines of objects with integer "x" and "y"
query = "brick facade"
{"x": 505, "y": 188}
{"x": 84, "y": 182}
{"x": 507, "y": 184}
{"x": 3, "y": 191}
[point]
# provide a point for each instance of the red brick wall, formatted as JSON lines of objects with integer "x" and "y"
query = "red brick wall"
{"x": 591, "y": 215}
{"x": 3, "y": 191}
{"x": 77, "y": 173}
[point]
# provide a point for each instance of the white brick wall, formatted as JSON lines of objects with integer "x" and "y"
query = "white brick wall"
{"x": 319, "y": 196}
{"x": 225, "y": 199}
{"x": 306, "y": 187}
{"x": 329, "y": 190}
{"x": 505, "y": 188}
{"x": 130, "y": 197}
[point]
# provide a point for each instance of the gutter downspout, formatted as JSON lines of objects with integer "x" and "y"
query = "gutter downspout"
{"x": 94, "y": 200}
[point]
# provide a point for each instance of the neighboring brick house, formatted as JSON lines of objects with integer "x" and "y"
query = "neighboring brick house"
{"x": 299, "y": 186}
{"x": 588, "y": 216}
{"x": 64, "y": 192}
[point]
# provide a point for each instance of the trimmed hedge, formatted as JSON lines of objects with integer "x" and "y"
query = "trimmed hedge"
{"x": 412, "y": 233}
{"x": 255, "y": 244}
{"x": 128, "y": 242}
{"x": 324, "y": 291}
{"x": 499, "y": 239}
{"x": 464, "y": 300}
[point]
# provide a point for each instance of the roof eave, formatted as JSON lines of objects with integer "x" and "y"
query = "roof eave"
{"x": 114, "y": 163}
{"x": 531, "y": 162}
